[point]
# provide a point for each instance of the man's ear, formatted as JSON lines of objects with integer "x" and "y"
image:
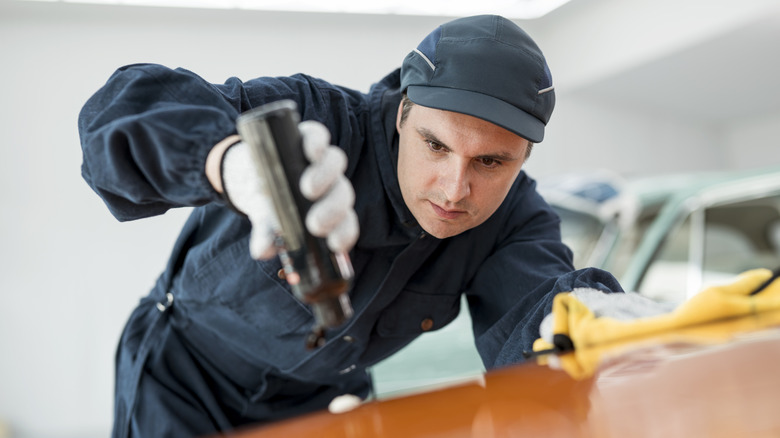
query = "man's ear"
{"x": 398, "y": 116}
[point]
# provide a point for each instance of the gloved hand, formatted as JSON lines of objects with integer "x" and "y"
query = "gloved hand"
{"x": 620, "y": 306}
{"x": 332, "y": 215}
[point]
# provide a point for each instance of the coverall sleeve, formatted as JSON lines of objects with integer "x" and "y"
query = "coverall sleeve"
{"x": 513, "y": 290}
{"x": 145, "y": 136}
{"x": 146, "y": 133}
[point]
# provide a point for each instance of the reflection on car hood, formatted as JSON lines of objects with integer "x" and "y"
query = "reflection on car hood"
{"x": 669, "y": 390}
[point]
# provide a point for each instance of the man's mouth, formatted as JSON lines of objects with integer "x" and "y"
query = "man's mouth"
{"x": 446, "y": 214}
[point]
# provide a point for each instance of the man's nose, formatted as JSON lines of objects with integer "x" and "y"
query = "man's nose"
{"x": 455, "y": 181}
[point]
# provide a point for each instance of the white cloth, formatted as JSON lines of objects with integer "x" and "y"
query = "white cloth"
{"x": 621, "y": 306}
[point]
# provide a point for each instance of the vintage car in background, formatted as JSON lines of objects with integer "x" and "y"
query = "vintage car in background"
{"x": 669, "y": 236}
{"x": 665, "y": 236}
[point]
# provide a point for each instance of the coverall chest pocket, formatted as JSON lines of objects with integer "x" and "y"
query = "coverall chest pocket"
{"x": 268, "y": 303}
{"x": 414, "y": 313}
{"x": 252, "y": 296}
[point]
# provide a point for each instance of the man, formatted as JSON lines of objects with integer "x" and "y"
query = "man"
{"x": 434, "y": 153}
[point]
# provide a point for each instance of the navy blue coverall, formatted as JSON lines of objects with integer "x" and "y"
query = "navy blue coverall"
{"x": 219, "y": 341}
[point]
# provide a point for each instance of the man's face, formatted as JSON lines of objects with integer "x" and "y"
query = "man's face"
{"x": 454, "y": 169}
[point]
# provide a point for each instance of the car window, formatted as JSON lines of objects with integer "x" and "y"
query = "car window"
{"x": 735, "y": 237}
{"x": 667, "y": 273}
{"x": 740, "y": 237}
{"x": 581, "y": 233}
{"x": 626, "y": 242}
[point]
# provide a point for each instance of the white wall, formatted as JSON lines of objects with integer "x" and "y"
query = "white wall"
{"x": 70, "y": 274}
{"x": 753, "y": 141}
{"x": 586, "y": 134}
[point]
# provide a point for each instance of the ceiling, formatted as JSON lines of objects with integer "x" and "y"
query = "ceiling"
{"x": 515, "y": 9}
{"x": 729, "y": 76}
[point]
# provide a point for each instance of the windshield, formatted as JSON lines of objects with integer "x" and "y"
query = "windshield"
{"x": 600, "y": 244}
{"x": 580, "y": 232}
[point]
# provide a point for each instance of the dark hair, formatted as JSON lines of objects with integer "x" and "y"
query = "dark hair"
{"x": 407, "y": 104}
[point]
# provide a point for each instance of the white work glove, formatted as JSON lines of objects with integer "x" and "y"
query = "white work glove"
{"x": 332, "y": 215}
{"x": 621, "y": 306}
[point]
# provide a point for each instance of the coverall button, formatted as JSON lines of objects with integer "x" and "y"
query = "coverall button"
{"x": 280, "y": 273}
{"x": 426, "y": 324}
{"x": 348, "y": 338}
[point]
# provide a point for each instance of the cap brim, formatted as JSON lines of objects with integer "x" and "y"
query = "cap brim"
{"x": 479, "y": 105}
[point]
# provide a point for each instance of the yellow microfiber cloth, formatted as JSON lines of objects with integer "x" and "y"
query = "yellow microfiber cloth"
{"x": 591, "y": 336}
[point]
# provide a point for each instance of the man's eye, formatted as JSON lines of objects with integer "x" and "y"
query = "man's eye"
{"x": 432, "y": 145}
{"x": 490, "y": 162}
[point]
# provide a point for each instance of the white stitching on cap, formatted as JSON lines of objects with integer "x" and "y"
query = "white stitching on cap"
{"x": 430, "y": 64}
{"x": 544, "y": 90}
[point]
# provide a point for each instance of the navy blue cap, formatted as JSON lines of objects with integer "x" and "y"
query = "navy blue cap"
{"x": 483, "y": 66}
